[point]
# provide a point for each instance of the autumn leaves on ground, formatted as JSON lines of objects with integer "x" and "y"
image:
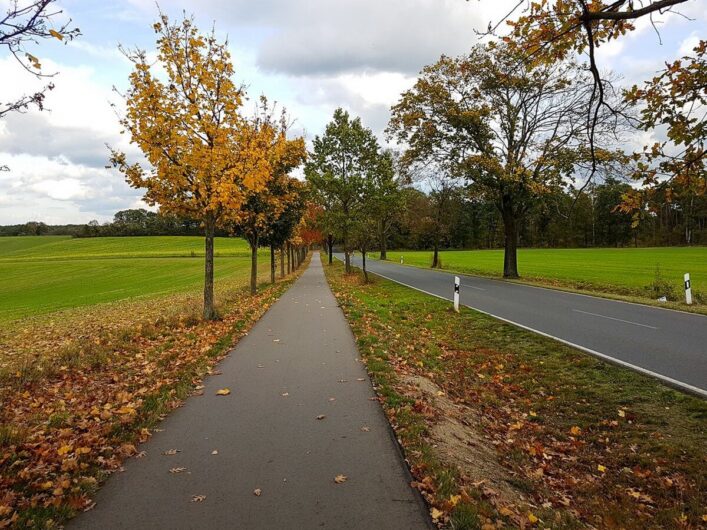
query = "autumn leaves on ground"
{"x": 81, "y": 387}
{"x": 504, "y": 428}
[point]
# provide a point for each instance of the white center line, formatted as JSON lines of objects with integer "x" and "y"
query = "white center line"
{"x": 473, "y": 287}
{"x": 617, "y": 319}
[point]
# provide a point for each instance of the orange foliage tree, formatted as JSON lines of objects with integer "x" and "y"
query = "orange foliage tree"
{"x": 204, "y": 156}
{"x": 264, "y": 206}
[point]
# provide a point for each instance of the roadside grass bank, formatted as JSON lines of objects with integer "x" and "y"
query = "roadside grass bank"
{"x": 43, "y": 274}
{"x": 504, "y": 428}
{"x": 633, "y": 274}
{"x": 76, "y": 405}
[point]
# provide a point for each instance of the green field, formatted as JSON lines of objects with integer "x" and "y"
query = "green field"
{"x": 47, "y": 273}
{"x": 630, "y": 271}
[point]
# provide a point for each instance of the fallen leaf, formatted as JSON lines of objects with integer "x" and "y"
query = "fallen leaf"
{"x": 365, "y": 428}
{"x": 257, "y": 492}
{"x": 214, "y": 452}
{"x": 171, "y": 452}
{"x": 601, "y": 468}
{"x": 575, "y": 431}
{"x": 285, "y": 394}
{"x": 176, "y": 470}
{"x": 223, "y": 392}
{"x": 361, "y": 379}
{"x": 321, "y": 416}
{"x": 622, "y": 413}
{"x": 198, "y": 498}
{"x": 340, "y": 479}
{"x": 436, "y": 514}
{"x": 532, "y": 518}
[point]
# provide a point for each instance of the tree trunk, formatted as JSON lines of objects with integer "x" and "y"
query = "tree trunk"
{"x": 365, "y": 272}
{"x": 384, "y": 244}
{"x": 510, "y": 254}
{"x": 282, "y": 262}
{"x": 347, "y": 261}
{"x": 330, "y": 243}
{"x": 435, "y": 255}
{"x": 254, "y": 265}
{"x": 289, "y": 262}
{"x": 272, "y": 263}
{"x": 209, "y": 312}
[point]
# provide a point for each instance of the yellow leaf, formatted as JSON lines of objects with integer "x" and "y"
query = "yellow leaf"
{"x": 532, "y": 518}
{"x": 56, "y": 34}
{"x": 622, "y": 413}
{"x": 64, "y": 449}
{"x": 601, "y": 468}
{"x": 83, "y": 450}
{"x": 436, "y": 514}
{"x": 223, "y": 392}
{"x": 454, "y": 499}
{"x": 575, "y": 431}
{"x": 46, "y": 485}
{"x": 35, "y": 62}
{"x": 505, "y": 511}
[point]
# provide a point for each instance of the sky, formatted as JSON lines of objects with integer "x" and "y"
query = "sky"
{"x": 311, "y": 56}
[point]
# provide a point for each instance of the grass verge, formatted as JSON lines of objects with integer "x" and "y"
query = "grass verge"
{"x": 502, "y": 427}
{"x": 69, "y": 419}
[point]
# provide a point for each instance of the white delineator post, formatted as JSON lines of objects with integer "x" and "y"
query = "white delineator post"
{"x": 456, "y": 293}
{"x": 688, "y": 289}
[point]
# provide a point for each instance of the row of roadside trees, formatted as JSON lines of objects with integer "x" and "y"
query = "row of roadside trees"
{"x": 207, "y": 159}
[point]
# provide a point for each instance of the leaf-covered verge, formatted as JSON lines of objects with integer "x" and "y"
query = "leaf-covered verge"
{"x": 93, "y": 384}
{"x": 503, "y": 428}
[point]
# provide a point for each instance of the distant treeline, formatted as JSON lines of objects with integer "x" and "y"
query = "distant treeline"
{"x": 462, "y": 220}
{"x": 135, "y": 222}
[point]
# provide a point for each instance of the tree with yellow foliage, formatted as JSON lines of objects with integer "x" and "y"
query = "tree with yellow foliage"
{"x": 204, "y": 156}
{"x": 264, "y": 206}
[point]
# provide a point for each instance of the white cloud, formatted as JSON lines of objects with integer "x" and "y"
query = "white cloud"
{"x": 689, "y": 44}
{"x": 61, "y": 190}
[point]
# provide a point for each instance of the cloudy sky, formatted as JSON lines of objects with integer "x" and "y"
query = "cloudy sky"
{"x": 309, "y": 55}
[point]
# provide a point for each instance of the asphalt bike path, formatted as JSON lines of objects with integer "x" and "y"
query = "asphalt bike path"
{"x": 669, "y": 345}
{"x": 301, "y": 412}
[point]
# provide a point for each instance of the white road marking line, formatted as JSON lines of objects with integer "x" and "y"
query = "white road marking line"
{"x": 612, "y": 318}
{"x": 664, "y": 378}
{"x": 473, "y": 287}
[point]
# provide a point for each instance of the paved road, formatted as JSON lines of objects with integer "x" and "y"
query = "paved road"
{"x": 303, "y": 348}
{"x": 669, "y": 344}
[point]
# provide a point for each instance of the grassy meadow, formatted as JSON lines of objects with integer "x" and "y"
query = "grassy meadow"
{"x": 629, "y": 271}
{"x": 42, "y": 274}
